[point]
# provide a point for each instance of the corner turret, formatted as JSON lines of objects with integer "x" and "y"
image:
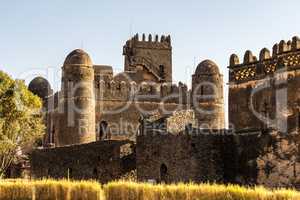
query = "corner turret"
{"x": 77, "y": 124}
{"x": 207, "y": 95}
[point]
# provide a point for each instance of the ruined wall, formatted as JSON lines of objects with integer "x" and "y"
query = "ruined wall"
{"x": 279, "y": 165}
{"x": 248, "y": 158}
{"x": 270, "y": 159}
{"x": 190, "y": 157}
{"x": 103, "y": 161}
{"x": 263, "y": 93}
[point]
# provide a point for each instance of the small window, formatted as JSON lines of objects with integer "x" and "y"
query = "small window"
{"x": 103, "y": 131}
{"x": 95, "y": 173}
{"x": 163, "y": 173}
{"x": 162, "y": 71}
{"x": 202, "y": 90}
{"x": 51, "y": 138}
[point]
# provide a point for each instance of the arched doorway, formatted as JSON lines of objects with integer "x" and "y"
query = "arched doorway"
{"x": 103, "y": 131}
{"x": 163, "y": 173}
{"x": 95, "y": 173}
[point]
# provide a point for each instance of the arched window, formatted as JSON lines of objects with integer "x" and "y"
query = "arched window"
{"x": 163, "y": 173}
{"x": 103, "y": 131}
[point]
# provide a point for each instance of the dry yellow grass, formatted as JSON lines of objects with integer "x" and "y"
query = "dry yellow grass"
{"x": 90, "y": 190}
{"x": 50, "y": 190}
{"x": 144, "y": 191}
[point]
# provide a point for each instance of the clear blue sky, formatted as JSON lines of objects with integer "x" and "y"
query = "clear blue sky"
{"x": 38, "y": 34}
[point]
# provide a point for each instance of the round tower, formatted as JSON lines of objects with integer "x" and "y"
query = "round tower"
{"x": 77, "y": 123}
{"x": 207, "y": 95}
{"x": 40, "y": 87}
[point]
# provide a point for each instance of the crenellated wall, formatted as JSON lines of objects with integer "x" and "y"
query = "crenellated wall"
{"x": 145, "y": 91}
{"x": 154, "y": 55}
{"x": 263, "y": 93}
{"x": 284, "y": 54}
{"x": 151, "y": 41}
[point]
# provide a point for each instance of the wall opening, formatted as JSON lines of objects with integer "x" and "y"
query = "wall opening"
{"x": 48, "y": 172}
{"x": 202, "y": 90}
{"x": 103, "y": 131}
{"x": 52, "y": 135}
{"x": 163, "y": 173}
{"x": 162, "y": 71}
{"x": 95, "y": 173}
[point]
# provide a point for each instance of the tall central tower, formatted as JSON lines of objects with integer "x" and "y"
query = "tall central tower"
{"x": 153, "y": 55}
{"x": 77, "y": 124}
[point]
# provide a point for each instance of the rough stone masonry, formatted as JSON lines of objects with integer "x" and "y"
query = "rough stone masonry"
{"x": 174, "y": 133}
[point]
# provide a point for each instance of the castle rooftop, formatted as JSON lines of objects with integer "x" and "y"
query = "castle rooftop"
{"x": 207, "y": 67}
{"x": 78, "y": 57}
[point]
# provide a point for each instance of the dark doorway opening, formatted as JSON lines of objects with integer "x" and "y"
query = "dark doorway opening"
{"x": 163, "y": 173}
{"x": 95, "y": 173}
{"x": 103, "y": 131}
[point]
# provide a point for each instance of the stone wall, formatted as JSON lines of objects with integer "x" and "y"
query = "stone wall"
{"x": 125, "y": 123}
{"x": 279, "y": 165}
{"x": 185, "y": 157}
{"x": 266, "y": 88}
{"x": 251, "y": 157}
{"x": 103, "y": 161}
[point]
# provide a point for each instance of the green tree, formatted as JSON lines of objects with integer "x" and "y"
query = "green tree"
{"x": 21, "y": 122}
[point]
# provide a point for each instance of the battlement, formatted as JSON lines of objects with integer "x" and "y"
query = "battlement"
{"x": 284, "y": 55}
{"x": 147, "y": 92}
{"x": 151, "y": 41}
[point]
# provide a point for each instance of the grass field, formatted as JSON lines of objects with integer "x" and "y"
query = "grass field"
{"x": 82, "y": 190}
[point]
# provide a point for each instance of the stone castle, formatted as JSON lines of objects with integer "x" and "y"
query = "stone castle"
{"x": 102, "y": 126}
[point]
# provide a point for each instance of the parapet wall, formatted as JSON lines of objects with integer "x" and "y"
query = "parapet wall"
{"x": 284, "y": 55}
{"x": 149, "y": 92}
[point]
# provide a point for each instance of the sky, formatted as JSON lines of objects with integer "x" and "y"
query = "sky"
{"x": 36, "y": 36}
